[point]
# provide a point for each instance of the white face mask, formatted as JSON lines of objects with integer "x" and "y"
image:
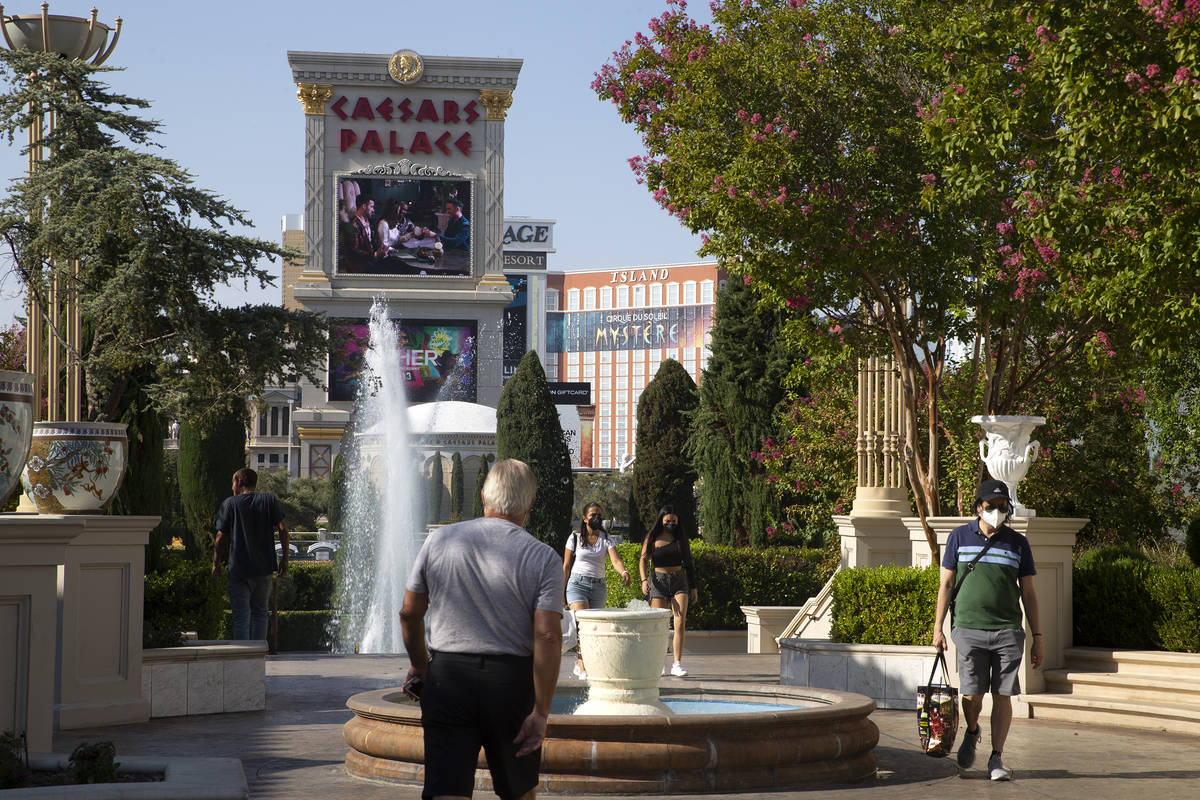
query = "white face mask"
{"x": 995, "y": 517}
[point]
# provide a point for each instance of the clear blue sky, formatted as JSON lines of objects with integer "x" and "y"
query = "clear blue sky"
{"x": 218, "y": 78}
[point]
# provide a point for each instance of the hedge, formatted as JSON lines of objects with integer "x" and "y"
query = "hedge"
{"x": 731, "y": 577}
{"x": 885, "y": 605}
{"x": 1124, "y": 600}
{"x": 298, "y": 630}
{"x": 183, "y": 597}
{"x": 306, "y": 586}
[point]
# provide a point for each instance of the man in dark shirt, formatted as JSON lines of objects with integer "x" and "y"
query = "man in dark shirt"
{"x": 246, "y": 526}
{"x": 457, "y": 235}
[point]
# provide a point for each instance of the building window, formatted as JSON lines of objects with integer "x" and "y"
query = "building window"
{"x": 274, "y": 458}
{"x": 605, "y": 397}
{"x": 283, "y": 421}
{"x": 320, "y": 457}
{"x": 639, "y": 356}
{"x": 572, "y": 373}
{"x": 639, "y": 296}
{"x": 604, "y": 449}
{"x": 605, "y": 423}
{"x": 589, "y": 298}
{"x": 672, "y": 294}
{"x": 656, "y": 294}
{"x": 572, "y": 358}
{"x": 673, "y": 353}
{"x": 605, "y": 370}
{"x": 622, "y": 369}
{"x": 572, "y": 300}
{"x": 622, "y": 297}
{"x": 606, "y": 297}
{"x": 261, "y": 459}
{"x": 589, "y": 357}
{"x": 706, "y": 291}
{"x": 622, "y": 410}
{"x": 605, "y": 463}
{"x": 262, "y": 424}
{"x": 605, "y": 436}
{"x": 605, "y": 357}
{"x": 689, "y": 293}
{"x": 621, "y": 434}
{"x": 552, "y": 299}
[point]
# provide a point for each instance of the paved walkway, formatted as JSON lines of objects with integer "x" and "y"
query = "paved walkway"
{"x": 294, "y": 749}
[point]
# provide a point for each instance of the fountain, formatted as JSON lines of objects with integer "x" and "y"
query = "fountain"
{"x": 385, "y": 507}
{"x": 692, "y": 737}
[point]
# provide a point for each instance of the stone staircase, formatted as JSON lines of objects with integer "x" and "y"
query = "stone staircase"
{"x": 1143, "y": 689}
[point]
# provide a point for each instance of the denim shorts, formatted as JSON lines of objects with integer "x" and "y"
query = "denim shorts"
{"x": 584, "y": 589}
{"x": 665, "y": 585}
{"x": 989, "y": 661}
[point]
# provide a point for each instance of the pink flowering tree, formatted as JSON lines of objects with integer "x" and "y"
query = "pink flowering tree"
{"x": 792, "y": 136}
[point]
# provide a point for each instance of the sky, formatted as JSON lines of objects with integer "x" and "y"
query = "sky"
{"x": 218, "y": 78}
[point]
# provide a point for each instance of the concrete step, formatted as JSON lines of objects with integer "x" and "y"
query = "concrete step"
{"x": 1174, "y": 666}
{"x": 1166, "y": 690}
{"x": 1143, "y": 716}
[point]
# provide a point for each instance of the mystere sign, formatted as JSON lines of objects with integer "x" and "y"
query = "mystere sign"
{"x": 635, "y": 329}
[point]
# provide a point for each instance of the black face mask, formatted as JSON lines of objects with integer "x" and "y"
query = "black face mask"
{"x": 595, "y": 521}
{"x": 670, "y": 527}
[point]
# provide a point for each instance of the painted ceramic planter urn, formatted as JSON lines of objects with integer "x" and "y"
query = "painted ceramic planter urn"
{"x": 16, "y": 428}
{"x": 75, "y": 467}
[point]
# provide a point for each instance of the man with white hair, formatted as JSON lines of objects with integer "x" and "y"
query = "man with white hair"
{"x": 493, "y": 598}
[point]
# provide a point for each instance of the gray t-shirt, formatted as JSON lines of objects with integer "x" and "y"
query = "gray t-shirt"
{"x": 485, "y": 577}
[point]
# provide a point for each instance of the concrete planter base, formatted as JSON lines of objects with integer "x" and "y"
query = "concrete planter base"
{"x": 888, "y": 674}
{"x": 205, "y": 678}
{"x": 186, "y": 779}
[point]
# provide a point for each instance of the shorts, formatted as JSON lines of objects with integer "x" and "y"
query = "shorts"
{"x": 989, "y": 661}
{"x": 472, "y": 701}
{"x": 665, "y": 585}
{"x": 586, "y": 589}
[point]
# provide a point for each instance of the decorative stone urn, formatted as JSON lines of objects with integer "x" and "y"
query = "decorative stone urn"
{"x": 1008, "y": 451}
{"x": 623, "y": 649}
{"x": 16, "y": 427}
{"x": 75, "y": 467}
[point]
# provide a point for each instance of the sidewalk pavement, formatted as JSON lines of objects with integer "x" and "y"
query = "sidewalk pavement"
{"x": 294, "y": 749}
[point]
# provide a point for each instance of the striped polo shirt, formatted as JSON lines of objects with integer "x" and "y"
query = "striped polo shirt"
{"x": 990, "y": 598}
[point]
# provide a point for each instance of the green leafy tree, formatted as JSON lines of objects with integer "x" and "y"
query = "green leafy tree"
{"x": 127, "y": 232}
{"x": 304, "y": 500}
{"x": 527, "y": 428}
{"x": 789, "y": 135}
{"x": 436, "y": 486}
{"x": 210, "y": 452}
{"x": 740, "y": 396}
{"x": 456, "y": 486}
{"x": 477, "y": 499}
{"x": 663, "y": 473}
{"x": 609, "y": 489}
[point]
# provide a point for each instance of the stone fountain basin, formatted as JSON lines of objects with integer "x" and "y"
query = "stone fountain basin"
{"x": 827, "y": 738}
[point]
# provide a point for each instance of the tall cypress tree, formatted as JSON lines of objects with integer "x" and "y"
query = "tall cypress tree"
{"x": 209, "y": 453}
{"x": 456, "y": 487}
{"x": 477, "y": 499}
{"x": 436, "y": 484}
{"x": 740, "y": 395}
{"x": 527, "y": 428}
{"x": 663, "y": 472}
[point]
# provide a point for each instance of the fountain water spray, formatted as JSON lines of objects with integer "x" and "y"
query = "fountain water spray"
{"x": 385, "y": 514}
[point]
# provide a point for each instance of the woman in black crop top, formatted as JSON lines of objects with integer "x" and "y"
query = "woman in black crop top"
{"x": 671, "y": 582}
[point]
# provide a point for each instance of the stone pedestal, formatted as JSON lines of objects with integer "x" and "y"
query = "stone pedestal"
{"x": 873, "y": 541}
{"x": 32, "y": 551}
{"x": 100, "y": 657}
{"x": 764, "y": 624}
{"x": 1052, "y": 540}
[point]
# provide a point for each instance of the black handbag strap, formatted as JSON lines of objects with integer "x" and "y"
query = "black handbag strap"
{"x": 940, "y": 658}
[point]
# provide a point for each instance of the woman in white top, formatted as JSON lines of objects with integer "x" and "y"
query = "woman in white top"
{"x": 583, "y": 567}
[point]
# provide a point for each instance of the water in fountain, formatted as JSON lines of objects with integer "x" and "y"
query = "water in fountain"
{"x": 384, "y": 504}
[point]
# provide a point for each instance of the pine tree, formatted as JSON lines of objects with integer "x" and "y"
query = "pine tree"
{"x": 740, "y": 395}
{"x": 456, "y": 487}
{"x": 663, "y": 474}
{"x": 436, "y": 484}
{"x": 527, "y": 428}
{"x": 149, "y": 248}
{"x": 477, "y": 500}
{"x": 209, "y": 453}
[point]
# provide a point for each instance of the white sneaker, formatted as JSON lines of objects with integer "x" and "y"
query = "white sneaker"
{"x": 664, "y": 671}
{"x": 996, "y": 769}
{"x": 678, "y": 671}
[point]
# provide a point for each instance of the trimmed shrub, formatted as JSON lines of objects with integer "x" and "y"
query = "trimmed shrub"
{"x": 298, "y": 630}
{"x": 181, "y": 598}
{"x": 1124, "y": 600}
{"x": 306, "y": 586}
{"x": 885, "y": 605}
{"x": 728, "y": 578}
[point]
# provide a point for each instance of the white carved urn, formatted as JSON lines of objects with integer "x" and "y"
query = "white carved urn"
{"x": 1007, "y": 451}
{"x": 623, "y": 649}
{"x": 16, "y": 428}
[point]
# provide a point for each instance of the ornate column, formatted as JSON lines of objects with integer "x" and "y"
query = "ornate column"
{"x": 496, "y": 101}
{"x": 314, "y": 96}
{"x": 872, "y": 534}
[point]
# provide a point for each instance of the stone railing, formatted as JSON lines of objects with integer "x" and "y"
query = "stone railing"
{"x": 205, "y": 678}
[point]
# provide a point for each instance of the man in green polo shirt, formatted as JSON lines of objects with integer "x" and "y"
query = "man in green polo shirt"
{"x": 986, "y": 622}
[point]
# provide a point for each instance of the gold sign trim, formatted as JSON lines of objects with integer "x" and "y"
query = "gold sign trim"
{"x": 406, "y": 67}
{"x": 314, "y": 96}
